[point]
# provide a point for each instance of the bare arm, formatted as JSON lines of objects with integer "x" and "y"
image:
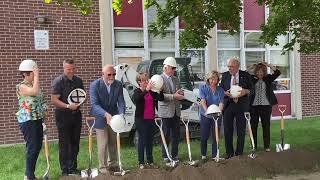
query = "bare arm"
{"x": 35, "y": 89}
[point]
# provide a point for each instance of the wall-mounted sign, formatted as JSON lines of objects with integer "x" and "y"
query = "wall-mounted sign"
{"x": 41, "y": 39}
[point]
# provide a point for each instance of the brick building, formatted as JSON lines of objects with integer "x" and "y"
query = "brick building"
{"x": 102, "y": 37}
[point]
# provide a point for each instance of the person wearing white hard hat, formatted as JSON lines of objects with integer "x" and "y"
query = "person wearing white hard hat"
{"x": 235, "y": 104}
{"x": 32, "y": 109}
{"x": 146, "y": 100}
{"x": 169, "y": 108}
{"x": 262, "y": 100}
{"x": 210, "y": 93}
{"x": 68, "y": 117}
{"x": 107, "y": 100}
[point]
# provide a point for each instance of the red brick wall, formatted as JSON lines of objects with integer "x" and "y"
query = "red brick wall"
{"x": 310, "y": 84}
{"x": 71, "y": 36}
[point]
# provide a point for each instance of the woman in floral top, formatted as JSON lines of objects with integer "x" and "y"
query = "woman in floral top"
{"x": 31, "y": 112}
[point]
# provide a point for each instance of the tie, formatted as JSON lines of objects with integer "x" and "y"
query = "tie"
{"x": 171, "y": 84}
{"x": 234, "y": 82}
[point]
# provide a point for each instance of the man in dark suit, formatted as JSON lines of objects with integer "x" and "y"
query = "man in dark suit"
{"x": 235, "y": 107}
{"x": 106, "y": 96}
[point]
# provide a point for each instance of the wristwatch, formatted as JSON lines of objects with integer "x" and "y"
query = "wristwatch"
{"x": 68, "y": 105}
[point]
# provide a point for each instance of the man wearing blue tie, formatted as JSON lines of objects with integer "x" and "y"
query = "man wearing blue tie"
{"x": 106, "y": 96}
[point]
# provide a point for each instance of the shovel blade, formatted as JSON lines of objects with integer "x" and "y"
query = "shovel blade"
{"x": 89, "y": 173}
{"x": 121, "y": 173}
{"x": 252, "y": 155}
{"x": 193, "y": 163}
{"x": 279, "y": 147}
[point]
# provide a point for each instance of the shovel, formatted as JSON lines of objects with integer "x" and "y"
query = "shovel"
{"x": 46, "y": 150}
{"x": 186, "y": 123}
{"x": 172, "y": 163}
{"x": 90, "y": 172}
{"x": 121, "y": 171}
{"x": 282, "y": 146}
{"x": 252, "y": 155}
{"x": 217, "y": 158}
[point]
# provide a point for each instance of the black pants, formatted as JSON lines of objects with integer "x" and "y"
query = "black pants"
{"x": 233, "y": 111}
{"x": 146, "y": 129}
{"x": 264, "y": 112}
{"x": 69, "y": 129}
{"x": 33, "y": 134}
{"x": 171, "y": 130}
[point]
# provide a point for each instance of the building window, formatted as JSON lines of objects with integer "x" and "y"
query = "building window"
{"x": 252, "y": 40}
{"x": 161, "y": 55}
{"x": 127, "y": 38}
{"x": 254, "y": 57}
{"x": 223, "y": 56}
{"x": 228, "y": 41}
{"x": 228, "y": 46}
{"x": 158, "y": 42}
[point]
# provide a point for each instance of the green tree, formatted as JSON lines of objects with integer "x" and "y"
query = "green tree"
{"x": 301, "y": 18}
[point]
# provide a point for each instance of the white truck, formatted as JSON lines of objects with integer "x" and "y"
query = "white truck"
{"x": 189, "y": 107}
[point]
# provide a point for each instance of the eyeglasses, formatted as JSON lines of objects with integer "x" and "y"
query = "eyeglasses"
{"x": 111, "y": 74}
{"x": 173, "y": 68}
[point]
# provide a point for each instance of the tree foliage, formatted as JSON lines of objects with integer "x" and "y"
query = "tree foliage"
{"x": 83, "y": 6}
{"x": 301, "y": 18}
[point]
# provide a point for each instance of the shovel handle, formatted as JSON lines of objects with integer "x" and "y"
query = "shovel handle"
{"x": 46, "y": 146}
{"x": 187, "y": 135}
{"x": 90, "y": 143}
{"x": 216, "y": 131}
{"x": 282, "y": 123}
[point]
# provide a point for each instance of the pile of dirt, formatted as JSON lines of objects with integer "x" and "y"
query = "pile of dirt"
{"x": 265, "y": 165}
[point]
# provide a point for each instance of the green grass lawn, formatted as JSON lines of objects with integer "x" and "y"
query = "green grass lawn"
{"x": 302, "y": 134}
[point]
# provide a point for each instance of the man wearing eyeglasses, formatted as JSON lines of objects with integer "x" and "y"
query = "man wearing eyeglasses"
{"x": 106, "y": 98}
{"x": 169, "y": 108}
{"x": 234, "y": 107}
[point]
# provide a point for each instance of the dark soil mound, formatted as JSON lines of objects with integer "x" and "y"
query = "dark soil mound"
{"x": 265, "y": 165}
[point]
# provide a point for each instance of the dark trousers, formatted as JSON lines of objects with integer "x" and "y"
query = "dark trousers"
{"x": 171, "y": 130}
{"x": 264, "y": 112}
{"x": 69, "y": 129}
{"x": 146, "y": 129}
{"x": 233, "y": 111}
{"x": 206, "y": 124}
{"x": 33, "y": 134}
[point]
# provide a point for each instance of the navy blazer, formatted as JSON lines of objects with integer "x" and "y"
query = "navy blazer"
{"x": 101, "y": 101}
{"x": 244, "y": 82}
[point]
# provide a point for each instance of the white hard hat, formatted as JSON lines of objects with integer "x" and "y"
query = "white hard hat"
{"x": 213, "y": 109}
{"x": 170, "y": 61}
{"x": 27, "y": 65}
{"x": 117, "y": 123}
{"x": 158, "y": 83}
{"x": 235, "y": 91}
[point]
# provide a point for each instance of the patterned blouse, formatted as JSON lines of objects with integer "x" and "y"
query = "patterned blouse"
{"x": 30, "y": 107}
{"x": 261, "y": 97}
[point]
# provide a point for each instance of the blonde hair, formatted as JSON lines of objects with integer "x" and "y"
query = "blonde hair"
{"x": 212, "y": 74}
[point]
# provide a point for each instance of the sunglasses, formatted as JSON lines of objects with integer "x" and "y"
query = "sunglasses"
{"x": 111, "y": 74}
{"x": 173, "y": 68}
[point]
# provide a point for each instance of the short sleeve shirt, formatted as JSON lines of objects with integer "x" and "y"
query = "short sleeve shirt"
{"x": 210, "y": 97}
{"x": 62, "y": 86}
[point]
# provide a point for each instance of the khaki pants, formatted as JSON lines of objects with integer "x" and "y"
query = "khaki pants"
{"x": 107, "y": 143}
